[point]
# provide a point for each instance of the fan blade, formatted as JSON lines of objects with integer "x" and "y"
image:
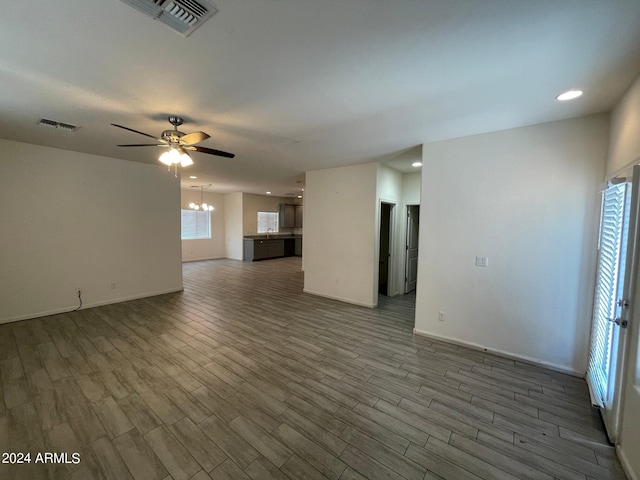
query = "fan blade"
{"x": 135, "y": 131}
{"x": 145, "y": 145}
{"x": 191, "y": 138}
{"x": 210, "y": 151}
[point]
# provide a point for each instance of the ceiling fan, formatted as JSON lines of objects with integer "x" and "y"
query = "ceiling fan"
{"x": 178, "y": 143}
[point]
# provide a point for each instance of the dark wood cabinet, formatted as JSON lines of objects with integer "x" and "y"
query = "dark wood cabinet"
{"x": 276, "y": 247}
{"x": 264, "y": 248}
{"x": 290, "y": 215}
{"x": 287, "y": 215}
{"x": 289, "y": 246}
{"x": 298, "y": 221}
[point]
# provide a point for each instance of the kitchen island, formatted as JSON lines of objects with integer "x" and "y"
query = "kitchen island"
{"x": 264, "y": 247}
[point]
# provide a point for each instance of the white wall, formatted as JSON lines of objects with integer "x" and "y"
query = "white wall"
{"x": 340, "y": 233}
{"x": 624, "y": 143}
{"x": 526, "y": 198}
{"x": 69, "y": 219}
{"x": 411, "y": 183}
{"x": 214, "y": 247}
{"x": 624, "y": 150}
{"x": 233, "y": 225}
{"x": 389, "y": 190}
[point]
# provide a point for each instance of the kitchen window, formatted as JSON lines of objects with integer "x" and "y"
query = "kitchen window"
{"x": 268, "y": 222}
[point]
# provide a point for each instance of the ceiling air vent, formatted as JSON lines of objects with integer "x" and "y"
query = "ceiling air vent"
{"x": 183, "y": 16}
{"x": 53, "y": 123}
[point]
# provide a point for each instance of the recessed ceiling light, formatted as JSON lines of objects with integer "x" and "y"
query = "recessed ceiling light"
{"x": 569, "y": 95}
{"x": 193, "y": 177}
{"x": 268, "y": 193}
{"x": 416, "y": 164}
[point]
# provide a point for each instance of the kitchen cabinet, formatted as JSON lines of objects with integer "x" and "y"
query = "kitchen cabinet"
{"x": 263, "y": 248}
{"x": 289, "y": 246}
{"x": 287, "y": 215}
{"x": 276, "y": 247}
{"x": 290, "y": 215}
{"x": 298, "y": 247}
{"x": 298, "y": 220}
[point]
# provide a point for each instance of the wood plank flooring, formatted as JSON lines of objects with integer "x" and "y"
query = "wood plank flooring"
{"x": 243, "y": 376}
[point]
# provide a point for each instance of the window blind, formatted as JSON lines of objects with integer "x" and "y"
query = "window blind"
{"x": 196, "y": 224}
{"x": 268, "y": 222}
{"x": 611, "y": 250}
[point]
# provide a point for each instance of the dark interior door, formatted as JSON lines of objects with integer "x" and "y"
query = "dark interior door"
{"x": 411, "y": 269}
{"x": 383, "y": 272}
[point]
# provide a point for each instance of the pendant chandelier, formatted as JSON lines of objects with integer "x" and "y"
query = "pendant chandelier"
{"x": 202, "y": 205}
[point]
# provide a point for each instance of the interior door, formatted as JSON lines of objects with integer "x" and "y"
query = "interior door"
{"x": 616, "y": 264}
{"x": 630, "y": 408}
{"x": 411, "y": 267}
{"x": 385, "y": 248}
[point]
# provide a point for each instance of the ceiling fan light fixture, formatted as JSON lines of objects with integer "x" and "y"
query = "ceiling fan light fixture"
{"x": 185, "y": 160}
{"x": 170, "y": 157}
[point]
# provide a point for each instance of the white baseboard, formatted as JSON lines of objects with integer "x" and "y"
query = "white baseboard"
{"x": 29, "y": 316}
{"x": 201, "y": 259}
{"x": 626, "y": 466}
{"x": 340, "y": 299}
{"x": 501, "y": 353}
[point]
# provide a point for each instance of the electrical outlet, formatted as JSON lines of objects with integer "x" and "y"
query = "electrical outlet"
{"x": 482, "y": 261}
{"x": 441, "y": 316}
{"x": 114, "y": 285}
{"x": 79, "y": 290}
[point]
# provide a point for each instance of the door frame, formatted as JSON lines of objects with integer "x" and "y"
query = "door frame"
{"x": 392, "y": 245}
{"x": 612, "y": 406}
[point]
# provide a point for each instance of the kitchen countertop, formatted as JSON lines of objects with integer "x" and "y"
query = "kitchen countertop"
{"x": 262, "y": 236}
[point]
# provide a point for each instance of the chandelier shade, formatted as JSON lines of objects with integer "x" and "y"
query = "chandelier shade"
{"x": 202, "y": 205}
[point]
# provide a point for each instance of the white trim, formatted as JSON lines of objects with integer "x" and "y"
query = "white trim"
{"x": 340, "y": 299}
{"x": 72, "y": 308}
{"x": 627, "y": 166}
{"x": 510, "y": 356}
{"x": 626, "y": 466}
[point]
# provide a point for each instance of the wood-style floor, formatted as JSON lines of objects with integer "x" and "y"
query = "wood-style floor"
{"x": 242, "y": 376}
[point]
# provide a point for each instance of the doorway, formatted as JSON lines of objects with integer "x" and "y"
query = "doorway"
{"x": 411, "y": 255}
{"x": 615, "y": 271}
{"x": 384, "y": 257}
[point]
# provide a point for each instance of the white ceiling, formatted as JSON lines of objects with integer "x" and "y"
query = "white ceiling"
{"x": 296, "y": 85}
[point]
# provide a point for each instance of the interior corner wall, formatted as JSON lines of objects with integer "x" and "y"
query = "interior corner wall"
{"x": 389, "y": 190}
{"x": 339, "y": 232}
{"x": 527, "y": 199}
{"x": 624, "y": 143}
{"x": 411, "y": 188}
{"x": 234, "y": 246}
{"x": 206, "y": 248}
{"x": 69, "y": 220}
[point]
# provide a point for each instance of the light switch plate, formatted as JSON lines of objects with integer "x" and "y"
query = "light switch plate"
{"x": 482, "y": 261}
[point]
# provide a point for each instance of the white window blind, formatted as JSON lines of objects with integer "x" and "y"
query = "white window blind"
{"x": 196, "y": 224}
{"x": 612, "y": 246}
{"x": 268, "y": 222}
